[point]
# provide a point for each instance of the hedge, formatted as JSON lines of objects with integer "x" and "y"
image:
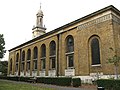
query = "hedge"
{"x": 76, "y": 82}
{"x": 109, "y": 84}
{"x": 61, "y": 81}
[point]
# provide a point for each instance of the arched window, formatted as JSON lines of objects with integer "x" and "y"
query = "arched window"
{"x": 17, "y": 57}
{"x": 43, "y": 56}
{"x": 35, "y": 52}
{"x": 23, "y": 56}
{"x": 52, "y": 48}
{"x": 70, "y": 51}
{"x": 35, "y": 57}
{"x": 69, "y": 44}
{"x": 23, "y": 61}
{"x": 17, "y": 61}
{"x": 28, "y": 54}
{"x": 95, "y": 51}
{"x": 11, "y": 65}
{"x": 28, "y": 59}
{"x": 52, "y": 55}
{"x": 43, "y": 50}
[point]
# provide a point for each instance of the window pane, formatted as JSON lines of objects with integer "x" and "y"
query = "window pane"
{"x": 53, "y": 62}
{"x": 17, "y": 57}
{"x": 70, "y": 61}
{"x": 11, "y": 65}
{"x": 28, "y": 65}
{"x": 28, "y": 54}
{"x": 35, "y": 64}
{"x": 43, "y": 63}
{"x": 70, "y": 44}
{"x": 43, "y": 50}
{"x": 35, "y": 52}
{"x": 52, "y": 48}
{"x": 22, "y": 68}
{"x": 95, "y": 51}
{"x": 16, "y": 67}
{"x": 23, "y": 56}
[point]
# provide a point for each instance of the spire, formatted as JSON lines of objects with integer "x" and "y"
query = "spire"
{"x": 40, "y": 5}
{"x": 39, "y": 29}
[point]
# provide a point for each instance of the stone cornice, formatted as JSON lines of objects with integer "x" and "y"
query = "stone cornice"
{"x": 95, "y": 21}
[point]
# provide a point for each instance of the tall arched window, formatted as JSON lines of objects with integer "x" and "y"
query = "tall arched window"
{"x": 11, "y": 65}
{"x": 17, "y": 61}
{"x": 28, "y": 59}
{"x": 95, "y": 51}
{"x": 70, "y": 51}
{"x": 35, "y": 57}
{"x": 23, "y": 61}
{"x": 43, "y": 56}
{"x": 52, "y": 55}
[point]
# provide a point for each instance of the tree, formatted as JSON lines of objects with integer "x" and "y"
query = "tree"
{"x": 2, "y": 46}
{"x": 3, "y": 67}
{"x": 115, "y": 61}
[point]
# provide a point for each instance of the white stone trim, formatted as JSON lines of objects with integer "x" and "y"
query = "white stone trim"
{"x": 28, "y": 73}
{"x": 52, "y": 73}
{"x": 21, "y": 73}
{"x": 34, "y": 73}
{"x": 42, "y": 73}
{"x": 70, "y": 72}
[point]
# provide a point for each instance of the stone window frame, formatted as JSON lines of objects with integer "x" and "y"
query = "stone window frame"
{"x": 17, "y": 61}
{"x": 28, "y": 59}
{"x": 35, "y": 58}
{"x": 69, "y": 52}
{"x": 52, "y": 53}
{"x": 90, "y": 39}
{"x": 23, "y": 61}
{"x": 11, "y": 65}
{"x": 43, "y": 57}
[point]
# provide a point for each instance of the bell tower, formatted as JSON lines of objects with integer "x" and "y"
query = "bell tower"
{"x": 38, "y": 29}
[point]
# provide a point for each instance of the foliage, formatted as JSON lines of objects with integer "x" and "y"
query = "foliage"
{"x": 109, "y": 84}
{"x": 3, "y": 67}
{"x": 4, "y": 85}
{"x": 76, "y": 82}
{"x": 2, "y": 46}
{"x": 61, "y": 81}
{"x": 115, "y": 61}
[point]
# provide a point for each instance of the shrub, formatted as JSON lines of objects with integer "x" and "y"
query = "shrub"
{"x": 76, "y": 82}
{"x": 40, "y": 79}
{"x": 109, "y": 84}
{"x": 25, "y": 79}
{"x": 62, "y": 81}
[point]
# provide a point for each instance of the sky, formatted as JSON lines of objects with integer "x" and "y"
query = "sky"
{"x": 17, "y": 17}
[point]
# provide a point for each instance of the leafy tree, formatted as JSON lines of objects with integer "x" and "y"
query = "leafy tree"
{"x": 2, "y": 46}
{"x": 115, "y": 61}
{"x": 3, "y": 67}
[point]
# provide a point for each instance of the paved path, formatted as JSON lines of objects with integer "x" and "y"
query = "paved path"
{"x": 51, "y": 86}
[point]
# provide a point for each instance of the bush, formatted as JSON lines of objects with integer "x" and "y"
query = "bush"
{"x": 25, "y": 79}
{"x": 76, "y": 82}
{"x": 109, "y": 84}
{"x": 62, "y": 81}
{"x": 40, "y": 80}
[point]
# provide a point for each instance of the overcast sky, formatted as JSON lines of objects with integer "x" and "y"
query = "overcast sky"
{"x": 17, "y": 17}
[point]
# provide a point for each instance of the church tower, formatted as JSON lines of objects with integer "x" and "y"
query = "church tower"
{"x": 39, "y": 29}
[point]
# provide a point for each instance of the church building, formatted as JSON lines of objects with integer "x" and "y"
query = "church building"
{"x": 80, "y": 48}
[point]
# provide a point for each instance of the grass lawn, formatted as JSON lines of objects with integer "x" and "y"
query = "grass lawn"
{"x": 4, "y": 85}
